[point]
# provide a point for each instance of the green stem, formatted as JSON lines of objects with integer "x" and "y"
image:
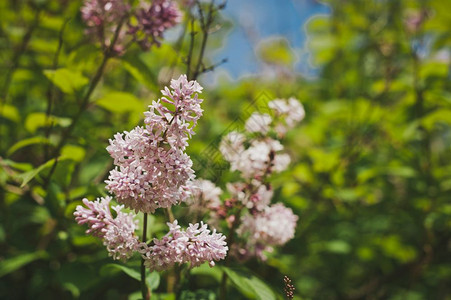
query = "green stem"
{"x": 231, "y": 240}
{"x": 144, "y": 288}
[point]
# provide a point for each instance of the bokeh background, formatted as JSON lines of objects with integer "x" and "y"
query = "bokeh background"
{"x": 371, "y": 172}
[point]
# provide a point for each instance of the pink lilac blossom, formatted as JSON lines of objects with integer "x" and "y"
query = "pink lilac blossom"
{"x": 262, "y": 156}
{"x": 117, "y": 232}
{"x": 274, "y": 226}
{"x": 259, "y": 198}
{"x": 153, "y": 21}
{"x": 205, "y": 196}
{"x": 258, "y": 122}
{"x": 195, "y": 245}
{"x": 281, "y": 162}
{"x": 258, "y": 159}
{"x": 102, "y": 17}
{"x": 287, "y": 112}
{"x": 232, "y": 145}
{"x": 152, "y": 169}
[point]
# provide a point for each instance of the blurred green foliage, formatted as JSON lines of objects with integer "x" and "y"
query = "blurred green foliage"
{"x": 371, "y": 178}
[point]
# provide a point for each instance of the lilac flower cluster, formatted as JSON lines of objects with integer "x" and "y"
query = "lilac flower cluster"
{"x": 152, "y": 171}
{"x": 153, "y": 21}
{"x": 287, "y": 114}
{"x": 152, "y": 168}
{"x": 255, "y": 155}
{"x": 145, "y": 24}
{"x": 117, "y": 232}
{"x": 102, "y": 17}
{"x": 196, "y": 245}
{"x": 274, "y": 226}
{"x": 261, "y": 157}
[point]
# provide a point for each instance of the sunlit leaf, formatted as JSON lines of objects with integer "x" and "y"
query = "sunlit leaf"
{"x": 66, "y": 80}
{"x": 73, "y": 152}
{"x": 27, "y": 142}
{"x": 248, "y": 284}
{"x": 276, "y": 51}
{"x": 9, "y": 112}
{"x": 39, "y": 119}
{"x": 119, "y": 102}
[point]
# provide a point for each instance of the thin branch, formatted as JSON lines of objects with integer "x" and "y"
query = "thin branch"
{"x": 108, "y": 53}
{"x": 205, "y": 32}
{"x": 144, "y": 289}
{"x": 213, "y": 67}
{"x": 190, "y": 51}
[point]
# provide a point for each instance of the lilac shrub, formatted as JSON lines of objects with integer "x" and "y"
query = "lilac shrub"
{"x": 153, "y": 171}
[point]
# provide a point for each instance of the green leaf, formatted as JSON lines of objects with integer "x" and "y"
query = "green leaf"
{"x": 152, "y": 278}
{"x": 28, "y": 176}
{"x": 338, "y": 246}
{"x": 66, "y": 80}
{"x": 16, "y": 165}
{"x": 73, "y": 152}
{"x": 77, "y": 277}
{"x": 27, "y": 142}
{"x": 401, "y": 171}
{"x": 119, "y": 102}
{"x": 12, "y": 264}
{"x": 10, "y": 112}
{"x": 206, "y": 270}
{"x": 276, "y": 51}
{"x": 199, "y": 294}
{"x": 133, "y": 273}
{"x": 39, "y": 119}
{"x": 249, "y": 285}
{"x": 438, "y": 116}
{"x": 137, "y": 69}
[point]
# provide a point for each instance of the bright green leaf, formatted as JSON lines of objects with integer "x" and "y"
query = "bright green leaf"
{"x": 27, "y": 142}
{"x": 9, "y": 112}
{"x": 119, "y": 102}
{"x": 39, "y": 119}
{"x": 250, "y": 285}
{"x": 67, "y": 80}
{"x": 73, "y": 152}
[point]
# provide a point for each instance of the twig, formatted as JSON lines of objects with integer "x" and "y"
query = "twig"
{"x": 212, "y": 67}
{"x": 190, "y": 51}
{"x": 108, "y": 53}
{"x": 205, "y": 27}
{"x": 144, "y": 289}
